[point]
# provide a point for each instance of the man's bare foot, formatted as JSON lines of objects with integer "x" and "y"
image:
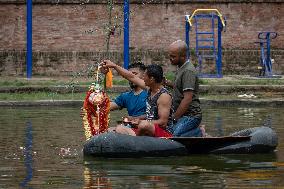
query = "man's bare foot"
{"x": 111, "y": 129}
{"x": 202, "y": 128}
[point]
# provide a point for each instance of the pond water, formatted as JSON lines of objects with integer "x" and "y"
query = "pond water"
{"x": 41, "y": 147}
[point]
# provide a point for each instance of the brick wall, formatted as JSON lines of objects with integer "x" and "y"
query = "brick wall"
{"x": 70, "y": 35}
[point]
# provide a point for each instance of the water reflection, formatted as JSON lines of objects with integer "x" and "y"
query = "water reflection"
{"x": 96, "y": 179}
{"x": 246, "y": 112}
{"x": 211, "y": 170}
{"x": 218, "y": 125}
{"x": 28, "y": 155}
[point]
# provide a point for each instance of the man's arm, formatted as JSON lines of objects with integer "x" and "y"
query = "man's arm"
{"x": 114, "y": 106}
{"x": 125, "y": 73}
{"x": 119, "y": 102}
{"x": 141, "y": 117}
{"x": 164, "y": 108}
{"x": 183, "y": 106}
{"x": 188, "y": 87}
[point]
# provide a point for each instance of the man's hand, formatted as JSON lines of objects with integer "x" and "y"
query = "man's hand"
{"x": 105, "y": 65}
{"x": 131, "y": 120}
{"x": 135, "y": 121}
{"x": 108, "y": 64}
{"x": 145, "y": 123}
{"x": 185, "y": 102}
{"x": 145, "y": 128}
{"x": 124, "y": 73}
{"x": 104, "y": 70}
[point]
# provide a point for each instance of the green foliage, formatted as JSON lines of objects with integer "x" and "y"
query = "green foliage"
{"x": 203, "y": 82}
{"x": 170, "y": 76}
{"x": 20, "y": 83}
{"x": 120, "y": 82}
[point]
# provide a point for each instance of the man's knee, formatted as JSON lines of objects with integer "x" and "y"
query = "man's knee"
{"x": 124, "y": 130}
{"x": 111, "y": 129}
{"x": 193, "y": 133}
{"x": 186, "y": 125}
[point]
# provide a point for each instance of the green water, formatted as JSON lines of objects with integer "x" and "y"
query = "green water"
{"x": 41, "y": 147}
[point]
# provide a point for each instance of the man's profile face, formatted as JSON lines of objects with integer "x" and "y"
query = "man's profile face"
{"x": 174, "y": 55}
{"x": 137, "y": 72}
{"x": 146, "y": 78}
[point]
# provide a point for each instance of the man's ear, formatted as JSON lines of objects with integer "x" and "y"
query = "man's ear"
{"x": 183, "y": 58}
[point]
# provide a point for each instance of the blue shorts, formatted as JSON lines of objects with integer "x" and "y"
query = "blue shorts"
{"x": 187, "y": 126}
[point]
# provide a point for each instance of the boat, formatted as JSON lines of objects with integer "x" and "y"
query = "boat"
{"x": 114, "y": 145}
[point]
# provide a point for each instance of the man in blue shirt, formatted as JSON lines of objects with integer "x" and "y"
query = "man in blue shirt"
{"x": 135, "y": 99}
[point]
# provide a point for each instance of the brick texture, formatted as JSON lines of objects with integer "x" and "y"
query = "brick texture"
{"x": 70, "y": 36}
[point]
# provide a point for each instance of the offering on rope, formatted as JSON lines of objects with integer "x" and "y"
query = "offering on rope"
{"x": 96, "y": 108}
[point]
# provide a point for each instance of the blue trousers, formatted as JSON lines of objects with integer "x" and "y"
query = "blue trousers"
{"x": 187, "y": 126}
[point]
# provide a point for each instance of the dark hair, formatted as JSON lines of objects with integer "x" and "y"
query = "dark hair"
{"x": 155, "y": 71}
{"x": 139, "y": 65}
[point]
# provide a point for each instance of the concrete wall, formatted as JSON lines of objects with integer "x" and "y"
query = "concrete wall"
{"x": 69, "y": 35}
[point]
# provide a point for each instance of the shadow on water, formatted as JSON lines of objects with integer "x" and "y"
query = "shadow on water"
{"x": 28, "y": 155}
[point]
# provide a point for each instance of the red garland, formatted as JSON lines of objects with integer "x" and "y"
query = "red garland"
{"x": 103, "y": 113}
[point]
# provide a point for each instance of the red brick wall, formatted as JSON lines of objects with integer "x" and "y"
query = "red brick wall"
{"x": 80, "y": 28}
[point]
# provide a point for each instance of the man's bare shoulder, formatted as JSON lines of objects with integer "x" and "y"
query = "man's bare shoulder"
{"x": 165, "y": 97}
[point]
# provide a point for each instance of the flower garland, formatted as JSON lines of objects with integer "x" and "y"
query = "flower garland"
{"x": 96, "y": 106}
{"x": 96, "y": 110}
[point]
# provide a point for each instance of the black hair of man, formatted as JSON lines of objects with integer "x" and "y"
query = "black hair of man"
{"x": 139, "y": 65}
{"x": 155, "y": 71}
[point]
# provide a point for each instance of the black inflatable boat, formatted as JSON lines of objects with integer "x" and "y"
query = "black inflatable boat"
{"x": 114, "y": 145}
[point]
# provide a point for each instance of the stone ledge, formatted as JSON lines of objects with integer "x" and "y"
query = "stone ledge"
{"x": 56, "y": 89}
{"x": 204, "y": 102}
{"x": 78, "y": 103}
{"x": 243, "y": 102}
{"x": 229, "y": 89}
{"x": 204, "y": 89}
